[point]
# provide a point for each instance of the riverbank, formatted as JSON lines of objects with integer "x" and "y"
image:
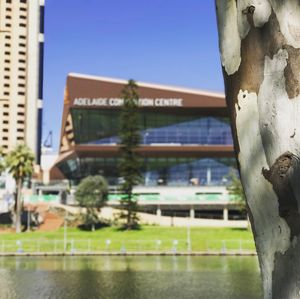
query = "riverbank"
{"x": 149, "y": 239}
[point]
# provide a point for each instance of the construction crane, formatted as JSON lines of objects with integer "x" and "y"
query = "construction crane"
{"x": 48, "y": 141}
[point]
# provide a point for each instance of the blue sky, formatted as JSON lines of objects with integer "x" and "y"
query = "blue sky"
{"x": 171, "y": 42}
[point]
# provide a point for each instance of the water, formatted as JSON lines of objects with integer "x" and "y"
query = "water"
{"x": 129, "y": 277}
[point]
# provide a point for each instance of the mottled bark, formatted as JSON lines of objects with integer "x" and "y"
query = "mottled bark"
{"x": 260, "y": 54}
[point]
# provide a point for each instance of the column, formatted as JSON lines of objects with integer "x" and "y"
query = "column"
{"x": 225, "y": 214}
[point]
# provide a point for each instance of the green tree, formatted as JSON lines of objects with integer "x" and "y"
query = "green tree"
{"x": 2, "y": 161}
{"x": 236, "y": 191}
{"x": 129, "y": 166}
{"x": 19, "y": 164}
{"x": 92, "y": 193}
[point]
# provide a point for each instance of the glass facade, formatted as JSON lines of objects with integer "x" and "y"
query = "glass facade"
{"x": 102, "y": 126}
{"x": 156, "y": 171}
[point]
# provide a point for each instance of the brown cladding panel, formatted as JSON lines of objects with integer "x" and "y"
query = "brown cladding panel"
{"x": 93, "y": 88}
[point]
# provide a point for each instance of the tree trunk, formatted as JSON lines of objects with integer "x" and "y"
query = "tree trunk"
{"x": 18, "y": 206}
{"x": 259, "y": 46}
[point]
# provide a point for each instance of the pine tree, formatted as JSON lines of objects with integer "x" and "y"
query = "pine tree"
{"x": 129, "y": 166}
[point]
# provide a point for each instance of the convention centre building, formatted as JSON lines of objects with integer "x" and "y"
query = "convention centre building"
{"x": 186, "y": 144}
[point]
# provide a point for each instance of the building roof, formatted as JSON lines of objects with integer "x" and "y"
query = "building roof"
{"x": 150, "y": 85}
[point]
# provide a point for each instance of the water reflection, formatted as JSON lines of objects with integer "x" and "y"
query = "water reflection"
{"x": 130, "y": 277}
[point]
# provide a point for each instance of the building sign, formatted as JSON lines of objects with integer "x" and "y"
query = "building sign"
{"x": 115, "y": 102}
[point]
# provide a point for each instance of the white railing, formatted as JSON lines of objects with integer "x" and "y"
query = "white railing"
{"x": 89, "y": 246}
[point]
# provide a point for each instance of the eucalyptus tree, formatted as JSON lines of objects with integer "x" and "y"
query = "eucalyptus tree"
{"x": 259, "y": 46}
{"x": 19, "y": 163}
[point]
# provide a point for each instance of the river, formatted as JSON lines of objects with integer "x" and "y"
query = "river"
{"x": 149, "y": 277}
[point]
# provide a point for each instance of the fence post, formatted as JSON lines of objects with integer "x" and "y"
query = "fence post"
{"x": 175, "y": 243}
{"x": 89, "y": 245}
{"x": 158, "y": 243}
{"x": 72, "y": 246}
{"x": 107, "y": 242}
{"x": 223, "y": 250}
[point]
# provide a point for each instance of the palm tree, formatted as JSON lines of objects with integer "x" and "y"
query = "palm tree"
{"x": 2, "y": 161}
{"x": 19, "y": 164}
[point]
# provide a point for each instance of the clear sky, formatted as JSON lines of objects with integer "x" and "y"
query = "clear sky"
{"x": 171, "y": 42}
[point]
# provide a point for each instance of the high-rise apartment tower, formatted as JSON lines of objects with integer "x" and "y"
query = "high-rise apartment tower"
{"x": 21, "y": 73}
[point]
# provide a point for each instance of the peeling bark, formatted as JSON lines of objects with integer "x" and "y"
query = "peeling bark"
{"x": 260, "y": 53}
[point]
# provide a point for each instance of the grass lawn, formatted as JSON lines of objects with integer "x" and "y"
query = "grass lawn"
{"x": 148, "y": 238}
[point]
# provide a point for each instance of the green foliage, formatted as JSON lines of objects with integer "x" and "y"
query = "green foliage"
{"x": 235, "y": 189}
{"x": 92, "y": 193}
{"x": 2, "y": 161}
{"x": 19, "y": 164}
{"x": 130, "y": 163}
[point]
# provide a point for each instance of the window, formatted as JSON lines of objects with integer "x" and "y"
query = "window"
{"x": 7, "y": 69}
{"x": 23, "y": 9}
{"x": 5, "y": 114}
{"x": 21, "y": 85}
{"x": 6, "y": 85}
{"x": 20, "y": 122}
{"x": 6, "y": 106}
{"x": 7, "y": 37}
{"x": 22, "y": 37}
{"x": 5, "y": 122}
{"x": 22, "y": 45}
{"x": 21, "y": 105}
{"x": 5, "y": 130}
{"x": 6, "y": 93}
{"x": 8, "y": 25}
{"x": 23, "y": 17}
{"x": 7, "y": 53}
{"x": 8, "y": 17}
{"x": 22, "y": 53}
{"x": 7, "y": 45}
{"x": 21, "y": 77}
{"x": 22, "y": 25}
{"x": 21, "y": 93}
{"x": 21, "y": 114}
{"x": 7, "y": 61}
{"x": 20, "y": 138}
{"x": 8, "y": 9}
{"x": 22, "y": 61}
{"x": 5, "y": 138}
{"x": 6, "y": 77}
{"x": 8, "y": 1}
{"x": 21, "y": 69}
{"x": 23, "y": 1}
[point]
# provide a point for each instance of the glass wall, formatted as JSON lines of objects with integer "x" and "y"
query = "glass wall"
{"x": 156, "y": 171}
{"x": 102, "y": 126}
